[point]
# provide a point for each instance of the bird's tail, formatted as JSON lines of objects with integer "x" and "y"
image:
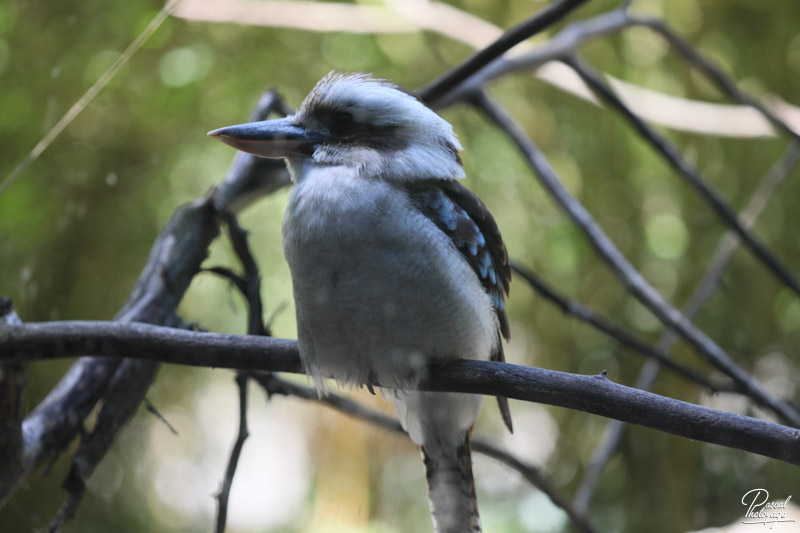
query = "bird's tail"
{"x": 451, "y": 489}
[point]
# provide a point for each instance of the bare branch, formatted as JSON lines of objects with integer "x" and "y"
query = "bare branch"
{"x": 250, "y": 286}
{"x": 524, "y": 30}
{"x": 128, "y": 386}
{"x": 555, "y": 48}
{"x": 592, "y": 394}
{"x": 233, "y": 460}
{"x": 224, "y": 272}
{"x": 629, "y": 276}
{"x": 586, "y": 314}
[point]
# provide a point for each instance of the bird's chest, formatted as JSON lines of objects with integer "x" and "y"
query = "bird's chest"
{"x": 351, "y": 243}
{"x": 378, "y": 288}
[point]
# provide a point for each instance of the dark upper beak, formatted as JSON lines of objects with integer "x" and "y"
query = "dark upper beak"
{"x": 273, "y": 139}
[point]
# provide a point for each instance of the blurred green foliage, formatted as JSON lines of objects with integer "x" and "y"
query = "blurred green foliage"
{"x": 77, "y": 226}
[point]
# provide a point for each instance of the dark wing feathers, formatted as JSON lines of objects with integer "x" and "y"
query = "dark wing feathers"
{"x": 463, "y": 217}
{"x": 493, "y": 267}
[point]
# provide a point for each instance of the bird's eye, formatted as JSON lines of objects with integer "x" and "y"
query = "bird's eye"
{"x": 339, "y": 122}
{"x": 342, "y": 120}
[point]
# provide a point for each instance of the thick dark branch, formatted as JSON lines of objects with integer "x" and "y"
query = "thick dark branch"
{"x": 174, "y": 260}
{"x": 586, "y": 314}
{"x": 629, "y": 276}
{"x": 670, "y": 153}
{"x": 524, "y": 30}
{"x": 36, "y": 341}
{"x": 276, "y": 385}
{"x": 592, "y": 394}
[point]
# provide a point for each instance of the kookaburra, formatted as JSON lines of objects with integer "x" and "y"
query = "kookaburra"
{"x": 395, "y": 265}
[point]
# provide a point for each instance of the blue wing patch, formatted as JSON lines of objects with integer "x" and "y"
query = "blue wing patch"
{"x": 461, "y": 215}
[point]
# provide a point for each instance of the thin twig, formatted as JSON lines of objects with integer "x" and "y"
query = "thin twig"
{"x": 535, "y": 478}
{"x": 274, "y": 384}
{"x": 524, "y": 30}
{"x": 233, "y": 460}
{"x": 670, "y": 153}
{"x": 161, "y": 418}
{"x": 717, "y": 76}
{"x": 625, "y": 272}
{"x": 251, "y": 277}
{"x": 606, "y": 449}
{"x": 224, "y": 272}
{"x": 562, "y": 43}
{"x": 587, "y": 315}
{"x": 250, "y": 286}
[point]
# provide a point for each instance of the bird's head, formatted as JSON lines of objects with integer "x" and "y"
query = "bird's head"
{"x": 353, "y": 120}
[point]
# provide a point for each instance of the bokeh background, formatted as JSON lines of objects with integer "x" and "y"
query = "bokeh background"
{"x": 76, "y": 227}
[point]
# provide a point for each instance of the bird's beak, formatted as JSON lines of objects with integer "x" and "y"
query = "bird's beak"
{"x": 273, "y": 139}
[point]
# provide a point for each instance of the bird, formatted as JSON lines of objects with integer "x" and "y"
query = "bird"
{"x": 395, "y": 265}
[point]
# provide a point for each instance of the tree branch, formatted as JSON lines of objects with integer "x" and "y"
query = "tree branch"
{"x": 592, "y": 394}
{"x": 236, "y": 451}
{"x": 250, "y": 286}
{"x": 545, "y": 18}
{"x": 717, "y": 76}
{"x": 587, "y": 315}
{"x": 555, "y": 48}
